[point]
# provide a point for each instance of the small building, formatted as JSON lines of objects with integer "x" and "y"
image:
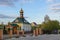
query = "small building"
{"x": 33, "y": 24}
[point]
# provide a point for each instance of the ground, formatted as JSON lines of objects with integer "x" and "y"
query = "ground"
{"x": 40, "y": 37}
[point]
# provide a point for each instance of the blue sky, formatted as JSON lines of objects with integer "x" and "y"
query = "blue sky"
{"x": 35, "y": 10}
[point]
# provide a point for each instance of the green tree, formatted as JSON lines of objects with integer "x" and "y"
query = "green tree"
{"x": 51, "y": 25}
{"x": 39, "y": 25}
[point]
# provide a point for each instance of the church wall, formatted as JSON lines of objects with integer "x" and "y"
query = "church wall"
{"x": 20, "y": 24}
{"x": 26, "y": 27}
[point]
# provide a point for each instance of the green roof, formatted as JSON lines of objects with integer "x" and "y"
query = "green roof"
{"x": 21, "y": 20}
{"x": 15, "y": 25}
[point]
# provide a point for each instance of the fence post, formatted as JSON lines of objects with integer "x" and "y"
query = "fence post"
{"x": 23, "y": 32}
{"x": 40, "y": 31}
{"x": 33, "y": 28}
{"x": 1, "y": 34}
{"x": 36, "y": 32}
{"x": 10, "y": 34}
{"x": 18, "y": 31}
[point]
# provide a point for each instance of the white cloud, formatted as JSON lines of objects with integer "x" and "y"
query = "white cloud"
{"x": 49, "y": 0}
{"x": 5, "y": 16}
{"x": 7, "y": 2}
{"x": 54, "y": 15}
{"x": 55, "y": 7}
{"x": 11, "y": 2}
{"x": 26, "y": 1}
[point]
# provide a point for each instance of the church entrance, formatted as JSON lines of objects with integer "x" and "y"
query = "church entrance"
{"x": 14, "y": 30}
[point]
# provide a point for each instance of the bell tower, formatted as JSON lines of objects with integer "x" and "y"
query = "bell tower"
{"x": 21, "y": 13}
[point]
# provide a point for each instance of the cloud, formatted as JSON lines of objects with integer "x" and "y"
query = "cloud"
{"x": 7, "y": 2}
{"x": 26, "y": 1}
{"x": 5, "y": 16}
{"x": 56, "y": 10}
{"x": 11, "y": 2}
{"x": 49, "y": 0}
{"x": 55, "y": 7}
{"x": 52, "y": 1}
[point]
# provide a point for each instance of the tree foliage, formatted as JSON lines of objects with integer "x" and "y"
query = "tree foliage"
{"x": 51, "y": 25}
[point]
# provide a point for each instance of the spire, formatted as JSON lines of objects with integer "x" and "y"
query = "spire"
{"x": 21, "y": 13}
{"x": 47, "y": 18}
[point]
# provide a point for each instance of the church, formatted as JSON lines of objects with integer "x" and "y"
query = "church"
{"x": 21, "y": 23}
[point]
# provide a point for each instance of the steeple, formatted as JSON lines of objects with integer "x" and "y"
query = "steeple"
{"x": 21, "y": 13}
{"x": 46, "y": 19}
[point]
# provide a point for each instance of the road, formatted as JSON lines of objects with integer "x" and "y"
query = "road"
{"x": 40, "y": 37}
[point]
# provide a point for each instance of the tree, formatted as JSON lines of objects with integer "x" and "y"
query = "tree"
{"x": 51, "y": 25}
{"x": 39, "y": 25}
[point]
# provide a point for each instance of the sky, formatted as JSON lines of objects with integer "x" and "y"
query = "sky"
{"x": 34, "y": 10}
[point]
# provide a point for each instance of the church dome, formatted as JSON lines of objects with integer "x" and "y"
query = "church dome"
{"x": 21, "y": 11}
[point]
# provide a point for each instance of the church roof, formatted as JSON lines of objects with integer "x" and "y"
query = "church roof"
{"x": 20, "y": 20}
{"x": 15, "y": 25}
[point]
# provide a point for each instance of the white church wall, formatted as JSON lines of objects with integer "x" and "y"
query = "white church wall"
{"x": 26, "y": 27}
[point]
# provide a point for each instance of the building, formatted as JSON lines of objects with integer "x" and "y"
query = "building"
{"x": 20, "y": 23}
{"x": 33, "y": 24}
